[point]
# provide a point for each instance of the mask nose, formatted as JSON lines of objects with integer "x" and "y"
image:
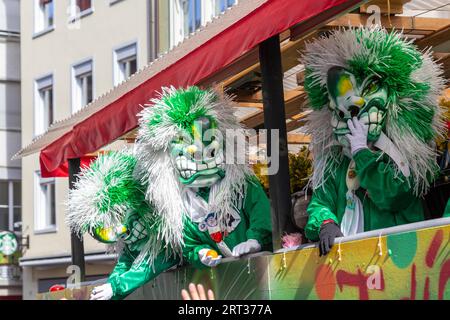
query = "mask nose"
{"x": 354, "y": 105}
{"x": 354, "y": 111}
{"x": 194, "y": 152}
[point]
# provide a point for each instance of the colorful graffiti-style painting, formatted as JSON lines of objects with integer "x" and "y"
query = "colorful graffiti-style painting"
{"x": 409, "y": 266}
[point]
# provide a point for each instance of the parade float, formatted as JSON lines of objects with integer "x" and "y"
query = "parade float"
{"x": 387, "y": 259}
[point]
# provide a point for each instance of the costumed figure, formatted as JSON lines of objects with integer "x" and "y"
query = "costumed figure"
{"x": 375, "y": 115}
{"x": 177, "y": 196}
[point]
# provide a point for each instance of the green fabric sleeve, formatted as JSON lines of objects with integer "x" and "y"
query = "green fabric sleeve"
{"x": 447, "y": 210}
{"x": 192, "y": 247}
{"x": 322, "y": 207}
{"x": 126, "y": 277}
{"x": 257, "y": 207}
{"x": 387, "y": 189}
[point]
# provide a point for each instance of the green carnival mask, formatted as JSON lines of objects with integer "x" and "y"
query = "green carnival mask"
{"x": 132, "y": 231}
{"x": 109, "y": 235}
{"x": 382, "y": 78}
{"x": 351, "y": 97}
{"x": 197, "y": 153}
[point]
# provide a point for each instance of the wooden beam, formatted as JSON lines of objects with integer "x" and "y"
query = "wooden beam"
{"x": 257, "y": 97}
{"x": 291, "y": 126}
{"x": 292, "y": 138}
{"x": 301, "y": 115}
{"x": 398, "y": 22}
{"x": 440, "y": 36}
{"x": 313, "y": 24}
{"x": 301, "y": 78}
{"x": 392, "y": 7}
{"x": 289, "y": 52}
{"x": 298, "y": 138}
{"x": 257, "y": 105}
{"x": 130, "y": 136}
{"x": 292, "y": 107}
{"x": 444, "y": 59}
{"x": 297, "y": 121}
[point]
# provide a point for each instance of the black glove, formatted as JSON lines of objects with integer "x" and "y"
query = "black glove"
{"x": 328, "y": 232}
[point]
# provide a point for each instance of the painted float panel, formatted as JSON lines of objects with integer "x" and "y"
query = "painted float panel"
{"x": 407, "y": 265}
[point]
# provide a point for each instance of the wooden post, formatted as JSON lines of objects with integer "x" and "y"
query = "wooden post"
{"x": 76, "y": 243}
{"x": 275, "y": 119}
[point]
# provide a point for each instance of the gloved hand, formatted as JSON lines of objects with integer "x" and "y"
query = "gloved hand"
{"x": 246, "y": 247}
{"x": 358, "y": 136}
{"x": 103, "y": 292}
{"x": 328, "y": 232}
{"x": 208, "y": 260}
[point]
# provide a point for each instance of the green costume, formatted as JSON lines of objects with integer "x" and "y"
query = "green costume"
{"x": 374, "y": 115}
{"x": 145, "y": 197}
{"x": 126, "y": 277}
{"x": 381, "y": 209}
{"x": 255, "y": 224}
{"x": 447, "y": 210}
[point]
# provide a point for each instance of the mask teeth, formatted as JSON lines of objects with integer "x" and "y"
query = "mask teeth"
{"x": 188, "y": 168}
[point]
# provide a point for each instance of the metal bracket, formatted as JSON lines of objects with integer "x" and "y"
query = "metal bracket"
{"x": 24, "y": 242}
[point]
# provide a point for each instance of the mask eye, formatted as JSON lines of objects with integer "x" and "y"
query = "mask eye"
{"x": 178, "y": 140}
{"x": 371, "y": 88}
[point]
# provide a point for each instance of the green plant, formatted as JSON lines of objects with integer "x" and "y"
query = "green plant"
{"x": 300, "y": 169}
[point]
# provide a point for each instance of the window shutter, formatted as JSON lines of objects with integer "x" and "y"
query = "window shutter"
{"x": 83, "y": 68}
{"x": 126, "y": 52}
{"x": 84, "y": 4}
{"x": 44, "y": 82}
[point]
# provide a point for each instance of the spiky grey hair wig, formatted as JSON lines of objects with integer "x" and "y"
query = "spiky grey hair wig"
{"x": 414, "y": 83}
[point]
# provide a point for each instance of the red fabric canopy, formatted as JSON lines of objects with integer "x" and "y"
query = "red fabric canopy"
{"x": 63, "y": 170}
{"x": 119, "y": 117}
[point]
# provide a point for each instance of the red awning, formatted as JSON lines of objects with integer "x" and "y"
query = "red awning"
{"x": 119, "y": 117}
{"x": 63, "y": 170}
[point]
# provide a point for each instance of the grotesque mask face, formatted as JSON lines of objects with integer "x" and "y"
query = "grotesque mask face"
{"x": 132, "y": 231}
{"x": 350, "y": 97}
{"x": 136, "y": 232}
{"x": 109, "y": 235}
{"x": 197, "y": 153}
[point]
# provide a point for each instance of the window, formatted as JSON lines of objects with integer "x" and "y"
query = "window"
{"x": 82, "y": 85}
{"x": 126, "y": 63}
{"x": 44, "y": 206}
{"x": 80, "y": 8}
{"x": 212, "y": 8}
{"x": 43, "y": 116}
{"x": 10, "y": 204}
{"x": 44, "y": 14}
{"x": 187, "y": 16}
{"x": 224, "y": 4}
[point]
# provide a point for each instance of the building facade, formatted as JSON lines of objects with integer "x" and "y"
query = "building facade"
{"x": 10, "y": 141}
{"x": 72, "y": 52}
